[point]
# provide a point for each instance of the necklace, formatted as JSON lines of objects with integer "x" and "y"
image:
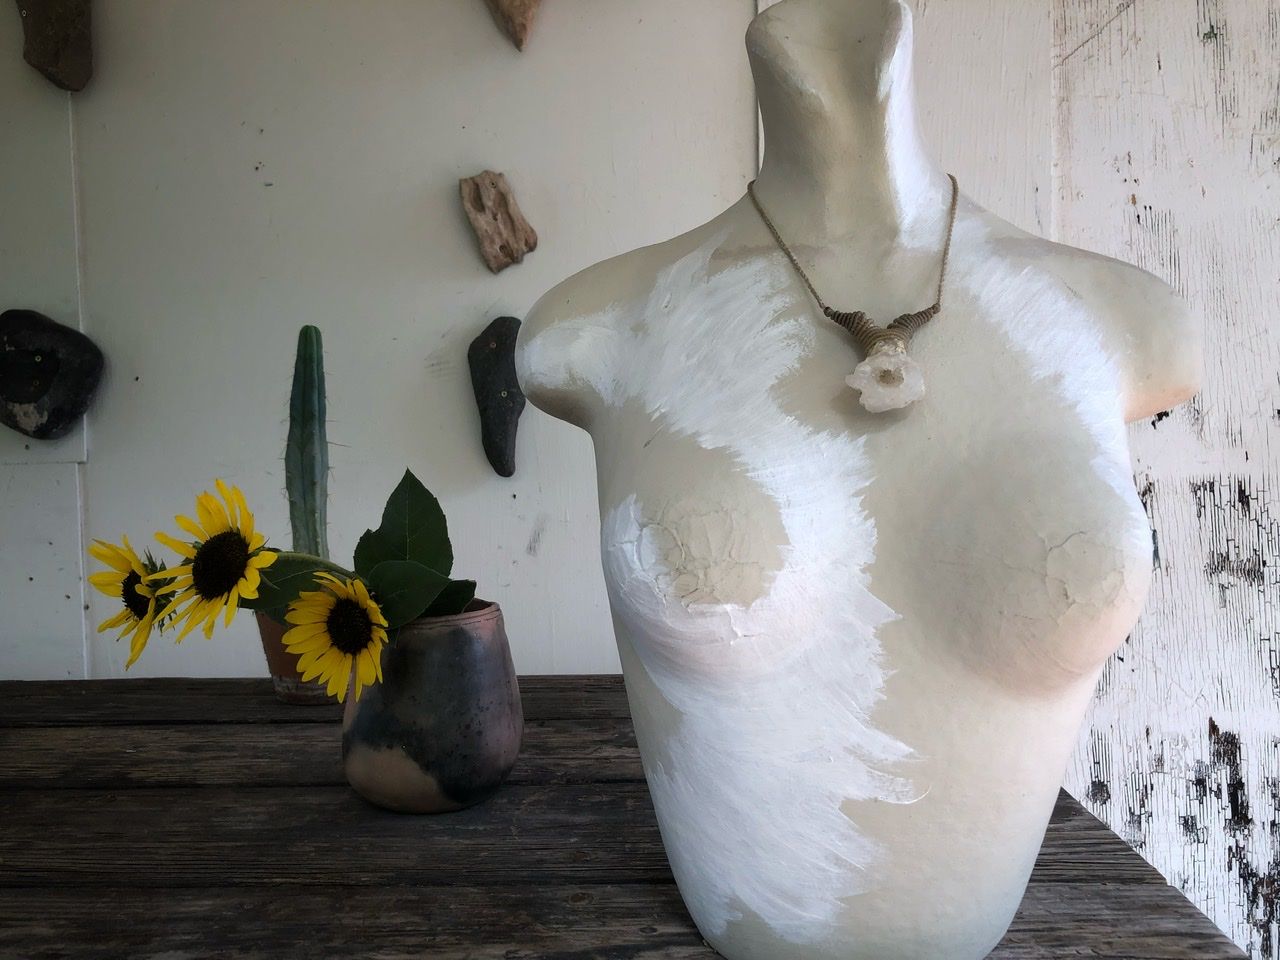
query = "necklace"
{"x": 887, "y": 378}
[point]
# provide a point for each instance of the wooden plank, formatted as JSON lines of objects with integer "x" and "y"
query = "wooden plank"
{"x": 1115, "y": 922}
{"x": 263, "y": 755}
{"x": 326, "y": 835}
{"x": 555, "y": 833}
{"x": 397, "y": 923}
{"x": 1078, "y": 848}
{"x": 175, "y": 700}
{"x": 1111, "y": 922}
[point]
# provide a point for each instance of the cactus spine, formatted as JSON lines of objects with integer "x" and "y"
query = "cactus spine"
{"x": 306, "y": 456}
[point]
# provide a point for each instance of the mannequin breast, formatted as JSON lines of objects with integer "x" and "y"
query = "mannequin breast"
{"x": 844, "y": 632}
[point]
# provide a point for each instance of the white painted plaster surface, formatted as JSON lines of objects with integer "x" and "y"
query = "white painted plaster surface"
{"x": 887, "y": 721}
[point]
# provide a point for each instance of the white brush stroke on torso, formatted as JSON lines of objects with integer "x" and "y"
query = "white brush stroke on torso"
{"x": 775, "y": 696}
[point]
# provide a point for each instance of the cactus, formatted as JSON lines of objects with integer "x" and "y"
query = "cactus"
{"x": 306, "y": 456}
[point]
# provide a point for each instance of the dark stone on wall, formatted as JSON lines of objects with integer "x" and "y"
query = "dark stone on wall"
{"x": 492, "y": 358}
{"x": 48, "y": 374}
{"x": 56, "y": 40}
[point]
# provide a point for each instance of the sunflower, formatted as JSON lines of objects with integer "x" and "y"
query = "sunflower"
{"x": 125, "y": 582}
{"x": 337, "y": 629}
{"x": 224, "y": 563}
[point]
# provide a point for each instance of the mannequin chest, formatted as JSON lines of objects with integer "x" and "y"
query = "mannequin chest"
{"x": 743, "y": 487}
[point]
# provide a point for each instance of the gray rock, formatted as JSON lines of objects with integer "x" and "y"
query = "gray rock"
{"x": 492, "y": 359}
{"x": 48, "y": 374}
{"x": 56, "y": 40}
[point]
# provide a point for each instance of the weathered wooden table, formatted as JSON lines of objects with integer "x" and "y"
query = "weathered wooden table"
{"x": 201, "y": 818}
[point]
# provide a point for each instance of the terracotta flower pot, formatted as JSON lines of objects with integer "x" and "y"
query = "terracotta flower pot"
{"x": 285, "y": 678}
{"x": 442, "y": 730}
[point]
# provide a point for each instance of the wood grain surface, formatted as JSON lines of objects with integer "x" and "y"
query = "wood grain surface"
{"x": 199, "y": 818}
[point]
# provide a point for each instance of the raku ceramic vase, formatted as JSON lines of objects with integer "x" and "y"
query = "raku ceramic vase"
{"x": 283, "y": 666}
{"x": 442, "y": 730}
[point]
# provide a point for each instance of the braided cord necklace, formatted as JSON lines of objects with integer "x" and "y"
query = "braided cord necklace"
{"x": 887, "y": 378}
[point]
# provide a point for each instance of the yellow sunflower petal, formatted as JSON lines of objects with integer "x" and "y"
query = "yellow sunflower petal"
{"x": 211, "y": 620}
{"x": 336, "y": 584}
{"x": 303, "y": 633}
{"x": 193, "y": 616}
{"x": 176, "y": 602}
{"x": 182, "y": 571}
{"x": 112, "y": 622}
{"x": 138, "y": 643}
{"x": 341, "y": 679}
{"x": 364, "y": 665}
{"x": 233, "y": 604}
{"x": 211, "y": 514}
{"x": 247, "y": 524}
{"x": 109, "y": 582}
{"x": 309, "y": 614}
{"x": 230, "y": 501}
{"x": 176, "y": 545}
{"x": 313, "y": 666}
{"x": 312, "y": 644}
{"x": 111, "y": 555}
{"x": 362, "y": 593}
{"x": 263, "y": 559}
{"x": 312, "y": 663}
{"x": 193, "y": 528}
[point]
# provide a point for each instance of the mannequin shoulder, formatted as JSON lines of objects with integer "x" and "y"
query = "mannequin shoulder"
{"x": 566, "y": 353}
{"x": 1153, "y": 331}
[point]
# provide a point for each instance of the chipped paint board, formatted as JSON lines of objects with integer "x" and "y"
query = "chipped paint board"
{"x": 38, "y": 269}
{"x": 1167, "y": 154}
{"x": 41, "y": 593}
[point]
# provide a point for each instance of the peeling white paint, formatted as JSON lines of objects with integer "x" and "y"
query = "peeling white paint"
{"x": 1168, "y": 156}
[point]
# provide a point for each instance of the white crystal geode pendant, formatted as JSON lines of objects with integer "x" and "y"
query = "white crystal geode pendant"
{"x": 887, "y": 379}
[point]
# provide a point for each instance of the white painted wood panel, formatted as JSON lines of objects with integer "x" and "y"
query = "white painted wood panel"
{"x": 41, "y": 594}
{"x": 247, "y": 168}
{"x": 37, "y": 217}
{"x": 41, "y": 603}
{"x": 1168, "y": 156}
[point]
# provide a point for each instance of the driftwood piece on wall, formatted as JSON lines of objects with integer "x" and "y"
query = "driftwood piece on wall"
{"x": 56, "y": 41}
{"x": 504, "y": 234}
{"x": 515, "y": 17}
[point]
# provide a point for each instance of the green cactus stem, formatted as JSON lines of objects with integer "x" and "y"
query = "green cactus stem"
{"x": 306, "y": 456}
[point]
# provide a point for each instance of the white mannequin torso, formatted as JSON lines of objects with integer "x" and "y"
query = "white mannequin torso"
{"x": 858, "y": 646}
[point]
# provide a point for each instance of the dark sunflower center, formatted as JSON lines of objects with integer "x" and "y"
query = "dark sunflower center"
{"x": 136, "y": 603}
{"x": 350, "y": 628}
{"x": 219, "y": 564}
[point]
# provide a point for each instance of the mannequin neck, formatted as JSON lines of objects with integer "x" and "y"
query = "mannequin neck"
{"x": 843, "y": 154}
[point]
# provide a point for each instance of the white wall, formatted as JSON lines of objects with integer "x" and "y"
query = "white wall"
{"x": 245, "y": 168}
{"x": 238, "y": 169}
{"x": 41, "y": 593}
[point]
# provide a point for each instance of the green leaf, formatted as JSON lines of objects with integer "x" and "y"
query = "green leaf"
{"x": 371, "y": 550}
{"x": 403, "y": 589}
{"x": 291, "y": 574}
{"x": 452, "y": 599}
{"x": 413, "y": 528}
